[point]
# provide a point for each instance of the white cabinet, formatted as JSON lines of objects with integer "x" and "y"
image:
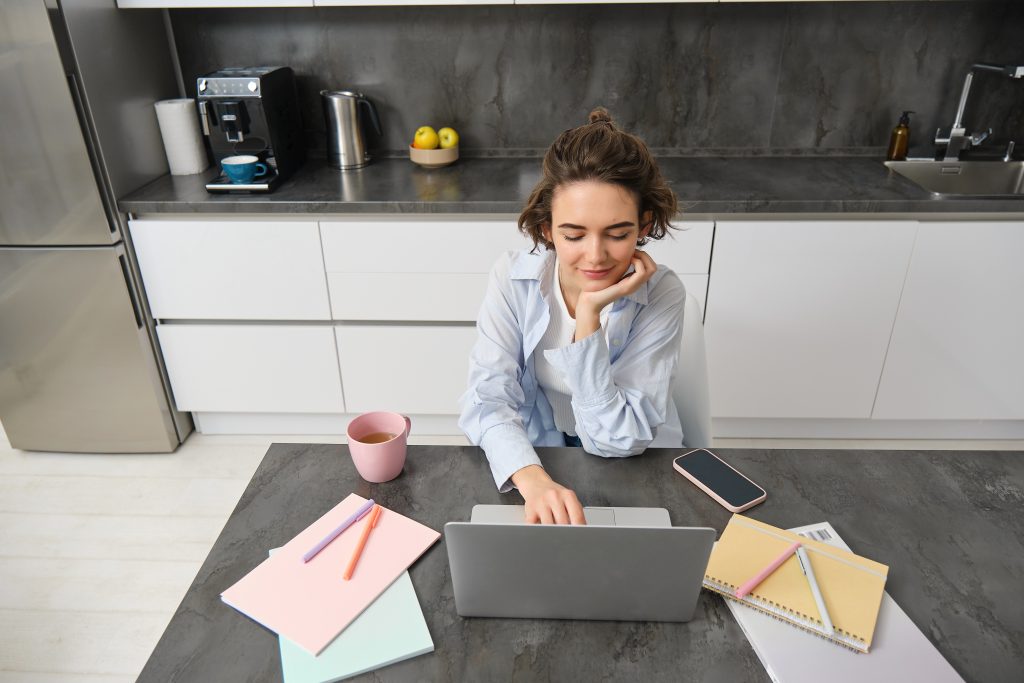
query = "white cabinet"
{"x": 957, "y": 349}
{"x": 252, "y": 368}
{"x": 800, "y": 313}
{"x": 240, "y": 269}
{"x": 687, "y": 251}
{"x": 413, "y": 369}
{"x": 172, "y": 4}
{"x": 413, "y": 269}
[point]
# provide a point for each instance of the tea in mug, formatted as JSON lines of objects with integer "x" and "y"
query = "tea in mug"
{"x": 377, "y": 437}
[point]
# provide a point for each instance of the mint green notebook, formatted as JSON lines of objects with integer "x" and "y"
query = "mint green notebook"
{"x": 391, "y": 629}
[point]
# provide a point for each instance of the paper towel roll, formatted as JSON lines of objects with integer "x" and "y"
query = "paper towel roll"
{"x": 179, "y": 127}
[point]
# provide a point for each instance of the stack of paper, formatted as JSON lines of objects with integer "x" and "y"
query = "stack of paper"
{"x": 900, "y": 652}
{"x": 308, "y": 604}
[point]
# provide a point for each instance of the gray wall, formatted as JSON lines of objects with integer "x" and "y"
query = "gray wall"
{"x": 739, "y": 78}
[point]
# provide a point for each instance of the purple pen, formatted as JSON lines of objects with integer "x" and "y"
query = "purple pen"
{"x": 353, "y": 518}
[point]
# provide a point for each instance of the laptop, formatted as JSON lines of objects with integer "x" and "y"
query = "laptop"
{"x": 626, "y": 564}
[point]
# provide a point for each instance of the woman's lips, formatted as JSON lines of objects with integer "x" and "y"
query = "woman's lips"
{"x": 596, "y": 274}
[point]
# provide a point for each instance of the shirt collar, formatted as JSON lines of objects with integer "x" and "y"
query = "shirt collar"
{"x": 538, "y": 266}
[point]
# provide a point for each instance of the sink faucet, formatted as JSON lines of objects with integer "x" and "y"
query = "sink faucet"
{"x": 958, "y": 139}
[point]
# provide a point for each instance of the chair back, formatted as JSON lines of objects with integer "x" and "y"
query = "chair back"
{"x": 690, "y": 384}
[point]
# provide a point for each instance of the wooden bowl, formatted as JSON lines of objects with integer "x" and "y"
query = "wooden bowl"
{"x": 433, "y": 158}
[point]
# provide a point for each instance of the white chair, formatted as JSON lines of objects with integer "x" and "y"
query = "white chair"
{"x": 690, "y": 383}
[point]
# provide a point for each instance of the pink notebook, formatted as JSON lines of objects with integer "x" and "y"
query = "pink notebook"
{"x": 309, "y": 603}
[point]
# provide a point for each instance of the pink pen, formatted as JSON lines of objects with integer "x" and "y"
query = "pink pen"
{"x": 751, "y": 584}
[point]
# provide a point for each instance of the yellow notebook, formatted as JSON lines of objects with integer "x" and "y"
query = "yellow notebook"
{"x": 851, "y": 585}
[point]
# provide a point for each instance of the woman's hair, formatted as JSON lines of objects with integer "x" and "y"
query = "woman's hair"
{"x": 600, "y": 151}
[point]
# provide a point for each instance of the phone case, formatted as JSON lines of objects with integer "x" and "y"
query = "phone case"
{"x": 718, "y": 499}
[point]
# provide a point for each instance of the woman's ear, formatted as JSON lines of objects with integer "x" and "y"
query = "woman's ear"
{"x": 646, "y": 220}
{"x": 545, "y": 229}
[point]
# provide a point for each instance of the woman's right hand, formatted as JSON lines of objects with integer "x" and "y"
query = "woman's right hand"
{"x": 547, "y": 501}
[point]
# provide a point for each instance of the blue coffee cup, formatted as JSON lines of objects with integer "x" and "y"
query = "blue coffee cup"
{"x": 243, "y": 169}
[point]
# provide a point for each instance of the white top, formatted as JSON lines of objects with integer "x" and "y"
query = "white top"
{"x": 559, "y": 334}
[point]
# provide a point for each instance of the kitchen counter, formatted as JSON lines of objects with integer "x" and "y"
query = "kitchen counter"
{"x": 710, "y": 187}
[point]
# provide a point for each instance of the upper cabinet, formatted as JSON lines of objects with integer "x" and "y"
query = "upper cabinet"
{"x": 183, "y": 4}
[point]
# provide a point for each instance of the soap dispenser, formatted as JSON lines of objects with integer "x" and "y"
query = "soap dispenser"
{"x": 899, "y": 139}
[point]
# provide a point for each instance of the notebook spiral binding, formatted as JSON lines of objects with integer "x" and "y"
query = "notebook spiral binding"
{"x": 804, "y": 621}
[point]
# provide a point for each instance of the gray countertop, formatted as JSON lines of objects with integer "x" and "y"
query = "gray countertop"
{"x": 948, "y": 523}
{"x": 706, "y": 186}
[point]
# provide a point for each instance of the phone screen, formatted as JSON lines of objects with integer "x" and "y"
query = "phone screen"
{"x": 732, "y": 487}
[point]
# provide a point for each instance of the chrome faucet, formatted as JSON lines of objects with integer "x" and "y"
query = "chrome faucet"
{"x": 958, "y": 139}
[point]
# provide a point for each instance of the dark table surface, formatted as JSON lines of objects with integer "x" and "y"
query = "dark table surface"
{"x": 950, "y": 525}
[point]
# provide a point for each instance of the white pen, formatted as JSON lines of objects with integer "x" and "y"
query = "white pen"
{"x": 805, "y": 565}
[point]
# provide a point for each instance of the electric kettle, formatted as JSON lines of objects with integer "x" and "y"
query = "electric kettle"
{"x": 345, "y": 113}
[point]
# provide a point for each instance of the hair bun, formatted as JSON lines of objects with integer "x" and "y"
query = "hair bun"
{"x": 600, "y": 115}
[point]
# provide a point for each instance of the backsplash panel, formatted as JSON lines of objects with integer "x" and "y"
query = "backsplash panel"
{"x": 743, "y": 78}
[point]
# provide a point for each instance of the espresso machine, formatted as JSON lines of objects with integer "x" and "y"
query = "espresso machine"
{"x": 252, "y": 111}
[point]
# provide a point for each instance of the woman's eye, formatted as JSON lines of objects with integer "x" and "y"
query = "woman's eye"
{"x": 572, "y": 239}
{"x": 619, "y": 238}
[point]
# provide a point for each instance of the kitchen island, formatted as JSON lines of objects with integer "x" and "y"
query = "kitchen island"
{"x": 948, "y": 524}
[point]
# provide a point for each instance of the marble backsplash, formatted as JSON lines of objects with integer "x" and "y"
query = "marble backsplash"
{"x": 734, "y": 78}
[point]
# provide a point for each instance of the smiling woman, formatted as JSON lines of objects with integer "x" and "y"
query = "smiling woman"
{"x": 577, "y": 343}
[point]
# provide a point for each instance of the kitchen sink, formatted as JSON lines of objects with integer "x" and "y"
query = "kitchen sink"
{"x": 975, "y": 178}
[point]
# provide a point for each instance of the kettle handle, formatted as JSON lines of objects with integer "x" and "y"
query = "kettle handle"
{"x": 373, "y": 114}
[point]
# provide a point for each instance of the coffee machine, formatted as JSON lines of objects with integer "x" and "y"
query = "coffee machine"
{"x": 252, "y": 111}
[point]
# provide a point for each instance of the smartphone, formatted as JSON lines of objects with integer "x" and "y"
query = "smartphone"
{"x": 719, "y": 480}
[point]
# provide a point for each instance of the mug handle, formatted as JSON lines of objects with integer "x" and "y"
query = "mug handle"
{"x": 408, "y": 425}
{"x": 261, "y": 169}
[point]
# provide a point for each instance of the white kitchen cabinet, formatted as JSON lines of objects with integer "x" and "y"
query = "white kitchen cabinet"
{"x": 252, "y": 368}
{"x": 238, "y": 269}
{"x": 180, "y": 4}
{"x": 428, "y": 269}
{"x": 411, "y": 369}
{"x": 384, "y": 3}
{"x": 957, "y": 349}
{"x": 799, "y": 315}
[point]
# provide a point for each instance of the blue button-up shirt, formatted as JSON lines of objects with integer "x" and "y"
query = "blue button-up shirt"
{"x": 621, "y": 394}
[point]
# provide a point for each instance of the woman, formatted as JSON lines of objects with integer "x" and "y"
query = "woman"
{"x": 577, "y": 343}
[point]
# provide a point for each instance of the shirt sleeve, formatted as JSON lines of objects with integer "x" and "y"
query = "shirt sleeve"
{"x": 489, "y": 409}
{"x": 618, "y": 407}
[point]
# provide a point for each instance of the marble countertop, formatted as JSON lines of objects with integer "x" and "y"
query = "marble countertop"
{"x": 947, "y": 523}
{"x": 706, "y": 186}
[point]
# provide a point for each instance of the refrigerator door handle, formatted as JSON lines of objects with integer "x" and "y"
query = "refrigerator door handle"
{"x": 131, "y": 292}
{"x": 93, "y": 147}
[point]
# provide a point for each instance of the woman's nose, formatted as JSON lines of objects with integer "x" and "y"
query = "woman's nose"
{"x": 595, "y": 251}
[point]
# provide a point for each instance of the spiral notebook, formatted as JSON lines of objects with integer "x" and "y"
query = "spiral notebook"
{"x": 851, "y": 585}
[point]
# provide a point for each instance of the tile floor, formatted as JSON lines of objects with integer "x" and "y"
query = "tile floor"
{"x": 96, "y": 551}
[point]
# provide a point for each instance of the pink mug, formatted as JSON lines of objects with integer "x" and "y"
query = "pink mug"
{"x": 377, "y": 443}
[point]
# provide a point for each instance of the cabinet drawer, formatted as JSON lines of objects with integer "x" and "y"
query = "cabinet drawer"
{"x": 232, "y": 269}
{"x": 408, "y": 368}
{"x": 406, "y": 296}
{"x": 443, "y": 245}
{"x": 687, "y": 250}
{"x": 252, "y": 368}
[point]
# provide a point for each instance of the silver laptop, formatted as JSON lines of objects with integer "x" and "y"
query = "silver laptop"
{"x": 627, "y": 564}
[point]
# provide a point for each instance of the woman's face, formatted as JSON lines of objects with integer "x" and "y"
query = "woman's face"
{"x": 594, "y": 227}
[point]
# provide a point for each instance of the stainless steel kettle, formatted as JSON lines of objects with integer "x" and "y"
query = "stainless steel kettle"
{"x": 344, "y": 114}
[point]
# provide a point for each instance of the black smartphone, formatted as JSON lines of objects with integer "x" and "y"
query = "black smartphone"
{"x": 718, "y": 479}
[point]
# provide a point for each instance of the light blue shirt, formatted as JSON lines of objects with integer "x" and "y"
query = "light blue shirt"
{"x": 621, "y": 393}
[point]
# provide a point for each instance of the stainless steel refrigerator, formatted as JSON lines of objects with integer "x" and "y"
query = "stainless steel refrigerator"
{"x": 80, "y": 368}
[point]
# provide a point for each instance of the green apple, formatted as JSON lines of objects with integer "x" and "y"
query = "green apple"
{"x": 449, "y": 138}
{"x": 425, "y": 138}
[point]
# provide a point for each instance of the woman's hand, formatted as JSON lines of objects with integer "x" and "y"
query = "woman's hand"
{"x": 547, "y": 502}
{"x": 590, "y": 304}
